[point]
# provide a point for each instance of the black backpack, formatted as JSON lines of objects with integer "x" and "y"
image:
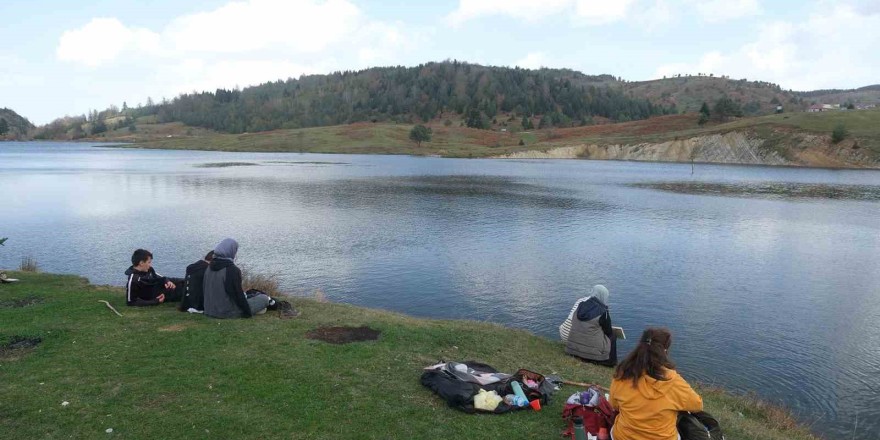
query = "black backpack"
{"x": 698, "y": 426}
{"x": 194, "y": 292}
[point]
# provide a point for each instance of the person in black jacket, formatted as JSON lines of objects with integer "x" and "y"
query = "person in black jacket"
{"x": 194, "y": 291}
{"x": 145, "y": 287}
{"x": 224, "y": 295}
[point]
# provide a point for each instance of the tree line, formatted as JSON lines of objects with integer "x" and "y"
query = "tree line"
{"x": 407, "y": 94}
{"x": 476, "y": 94}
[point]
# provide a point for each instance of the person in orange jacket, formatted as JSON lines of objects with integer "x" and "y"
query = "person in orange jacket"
{"x": 649, "y": 393}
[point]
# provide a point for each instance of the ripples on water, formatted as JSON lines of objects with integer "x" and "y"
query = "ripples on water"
{"x": 767, "y": 277}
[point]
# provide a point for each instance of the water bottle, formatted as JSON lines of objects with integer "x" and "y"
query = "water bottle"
{"x": 520, "y": 395}
{"x": 578, "y": 427}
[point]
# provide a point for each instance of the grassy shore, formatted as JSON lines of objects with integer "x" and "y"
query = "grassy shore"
{"x": 456, "y": 141}
{"x": 159, "y": 373}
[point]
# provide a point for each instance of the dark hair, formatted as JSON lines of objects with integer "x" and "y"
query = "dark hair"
{"x": 209, "y": 256}
{"x": 139, "y": 256}
{"x": 649, "y": 357}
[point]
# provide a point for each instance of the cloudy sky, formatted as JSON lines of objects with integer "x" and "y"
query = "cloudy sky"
{"x": 62, "y": 57}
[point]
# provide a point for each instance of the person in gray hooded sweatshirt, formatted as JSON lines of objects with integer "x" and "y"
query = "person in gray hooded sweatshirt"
{"x": 587, "y": 332}
{"x": 224, "y": 295}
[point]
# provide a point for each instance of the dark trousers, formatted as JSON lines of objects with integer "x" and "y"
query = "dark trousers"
{"x": 175, "y": 294}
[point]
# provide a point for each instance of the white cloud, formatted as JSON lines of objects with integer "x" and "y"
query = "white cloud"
{"x": 102, "y": 40}
{"x": 602, "y": 11}
{"x": 656, "y": 15}
{"x": 240, "y": 43}
{"x": 722, "y": 10}
{"x": 533, "y": 60}
{"x": 648, "y": 13}
{"x": 290, "y": 27}
{"x": 197, "y": 75}
{"x": 379, "y": 42}
{"x": 302, "y": 26}
{"x": 522, "y": 9}
{"x": 834, "y": 40}
{"x": 586, "y": 11}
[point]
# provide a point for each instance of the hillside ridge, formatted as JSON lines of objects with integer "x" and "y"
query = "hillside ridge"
{"x": 471, "y": 95}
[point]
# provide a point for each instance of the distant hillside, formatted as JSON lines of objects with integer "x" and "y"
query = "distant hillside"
{"x": 13, "y": 125}
{"x": 476, "y": 95}
{"x": 869, "y": 95}
{"x": 688, "y": 93}
{"x": 449, "y": 92}
{"x": 410, "y": 94}
{"x": 794, "y": 139}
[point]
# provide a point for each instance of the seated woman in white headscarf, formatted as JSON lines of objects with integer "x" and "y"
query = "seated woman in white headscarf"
{"x": 587, "y": 331}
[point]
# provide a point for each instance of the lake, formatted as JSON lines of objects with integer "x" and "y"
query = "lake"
{"x": 768, "y": 277}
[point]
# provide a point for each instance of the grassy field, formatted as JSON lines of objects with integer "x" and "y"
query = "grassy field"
{"x": 159, "y": 373}
{"x": 456, "y": 141}
{"x": 360, "y": 138}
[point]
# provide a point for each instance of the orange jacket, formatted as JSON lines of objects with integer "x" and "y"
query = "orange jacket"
{"x": 649, "y": 411}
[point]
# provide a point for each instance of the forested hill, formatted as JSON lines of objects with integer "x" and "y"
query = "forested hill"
{"x": 13, "y": 125}
{"x": 469, "y": 92}
{"x": 452, "y": 92}
{"x": 409, "y": 94}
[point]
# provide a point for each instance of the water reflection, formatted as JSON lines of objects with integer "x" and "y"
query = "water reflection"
{"x": 780, "y": 190}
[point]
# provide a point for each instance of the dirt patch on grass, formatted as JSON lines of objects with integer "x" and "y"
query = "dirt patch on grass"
{"x": 343, "y": 335}
{"x": 174, "y": 328}
{"x": 23, "y": 302}
{"x": 17, "y": 347}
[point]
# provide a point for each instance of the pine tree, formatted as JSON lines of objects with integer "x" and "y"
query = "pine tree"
{"x": 474, "y": 119}
{"x": 704, "y": 109}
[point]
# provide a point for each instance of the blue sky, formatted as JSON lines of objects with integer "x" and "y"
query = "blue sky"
{"x": 65, "y": 58}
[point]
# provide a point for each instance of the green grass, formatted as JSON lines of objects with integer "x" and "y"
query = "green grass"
{"x": 780, "y": 132}
{"x": 864, "y": 125}
{"x": 364, "y": 138}
{"x": 159, "y": 373}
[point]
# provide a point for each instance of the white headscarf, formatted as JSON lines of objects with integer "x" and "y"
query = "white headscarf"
{"x": 600, "y": 293}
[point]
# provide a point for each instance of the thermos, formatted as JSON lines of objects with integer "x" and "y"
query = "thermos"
{"x": 578, "y": 426}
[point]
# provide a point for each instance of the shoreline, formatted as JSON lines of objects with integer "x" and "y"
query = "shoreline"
{"x": 514, "y": 159}
{"x": 78, "y": 328}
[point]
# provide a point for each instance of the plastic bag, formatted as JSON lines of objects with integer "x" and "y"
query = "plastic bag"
{"x": 487, "y": 400}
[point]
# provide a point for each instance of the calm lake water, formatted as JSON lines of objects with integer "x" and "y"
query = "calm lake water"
{"x": 768, "y": 277}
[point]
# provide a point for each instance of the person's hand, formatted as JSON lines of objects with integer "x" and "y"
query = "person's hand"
{"x": 161, "y": 298}
{"x": 169, "y": 285}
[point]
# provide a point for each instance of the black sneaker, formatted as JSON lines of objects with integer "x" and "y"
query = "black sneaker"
{"x": 273, "y": 305}
{"x": 286, "y": 310}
